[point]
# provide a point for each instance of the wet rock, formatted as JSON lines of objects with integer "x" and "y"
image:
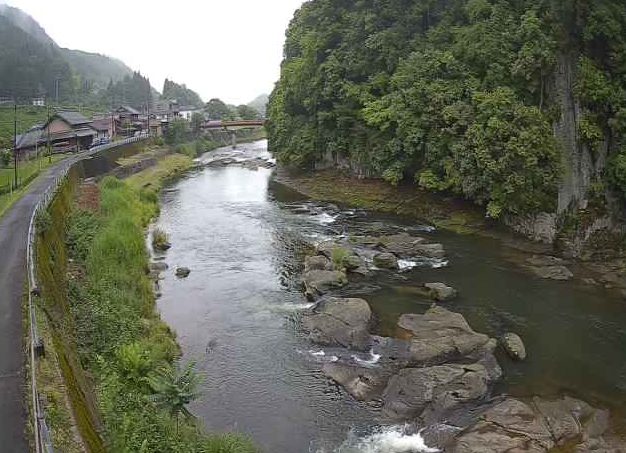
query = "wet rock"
{"x": 354, "y": 263}
{"x": 386, "y": 261}
{"x": 513, "y": 425}
{"x": 544, "y": 260}
{"x": 317, "y": 263}
{"x": 319, "y": 282}
{"x": 159, "y": 266}
{"x": 436, "y": 390}
{"x": 182, "y": 272}
{"x": 509, "y": 426}
{"x": 558, "y": 272}
{"x": 364, "y": 384}
{"x": 339, "y": 322}
{"x": 162, "y": 246}
{"x": 440, "y": 336}
{"x": 513, "y": 345}
{"x": 407, "y": 246}
{"x": 440, "y": 291}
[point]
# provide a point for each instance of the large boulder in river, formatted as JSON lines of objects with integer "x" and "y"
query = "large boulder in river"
{"x": 318, "y": 282}
{"x": 513, "y": 345}
{"x": 317, "y": 263}
{"x": 364, "y": 384}
{"x": 407, "y": 246}
{"x": 440, "y": 335}
{"x": 339, "y": 322}
{"x": 537, "y": 426}
{"x": 386, "y": 261}
{"x": 437, "y": 390}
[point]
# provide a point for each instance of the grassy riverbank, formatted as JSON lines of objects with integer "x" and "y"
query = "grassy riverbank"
{"x": 448, "y": 213}
{"x": 122, "y": 340}
{"x": 114, "y": 359}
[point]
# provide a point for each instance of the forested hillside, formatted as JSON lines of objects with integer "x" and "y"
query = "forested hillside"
{"x": 182, "y": 94}
{"x": 28, "y": 67}
{"x": 96, "y": 68}
{"x": 32, "y": 65}
{"x": 518, "y": 105}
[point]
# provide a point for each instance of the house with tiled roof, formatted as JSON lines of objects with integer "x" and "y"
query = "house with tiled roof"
{"x": 66, "y": 131}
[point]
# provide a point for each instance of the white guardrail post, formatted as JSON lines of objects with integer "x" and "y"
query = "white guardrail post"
{"x": 43, "y": 439}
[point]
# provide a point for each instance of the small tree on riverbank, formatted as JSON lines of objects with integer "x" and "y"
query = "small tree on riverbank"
{"x": 174, "y": 389}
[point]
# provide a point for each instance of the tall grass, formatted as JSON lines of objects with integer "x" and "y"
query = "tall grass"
{"x": 122, "y": 340}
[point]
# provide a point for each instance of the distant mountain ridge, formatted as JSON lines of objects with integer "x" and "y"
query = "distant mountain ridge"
{"x": 31, "y": 62}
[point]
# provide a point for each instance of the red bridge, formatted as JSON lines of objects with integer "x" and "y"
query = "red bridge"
{"x": 239, "y": 123}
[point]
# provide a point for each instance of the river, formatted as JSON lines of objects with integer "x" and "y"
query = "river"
{"x": 243, "y": 236}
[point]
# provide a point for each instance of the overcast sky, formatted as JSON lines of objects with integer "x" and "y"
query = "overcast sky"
{"x": 228, "y": 49}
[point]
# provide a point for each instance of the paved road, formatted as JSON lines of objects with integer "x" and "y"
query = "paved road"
{"x": 13, "y": 236}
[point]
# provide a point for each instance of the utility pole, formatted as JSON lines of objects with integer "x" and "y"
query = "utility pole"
{"x": 48, "y": 131}
{"x": 15, "y": 140}
{"x": 56, "y": 90}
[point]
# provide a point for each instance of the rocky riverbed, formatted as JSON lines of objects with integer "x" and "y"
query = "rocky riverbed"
{"x": 436, "y": 373}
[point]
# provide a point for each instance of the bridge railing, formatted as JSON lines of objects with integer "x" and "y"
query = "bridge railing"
{"x": 43, "y": 438}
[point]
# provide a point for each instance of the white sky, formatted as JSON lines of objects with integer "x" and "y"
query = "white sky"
{"x": 229, "y": 49}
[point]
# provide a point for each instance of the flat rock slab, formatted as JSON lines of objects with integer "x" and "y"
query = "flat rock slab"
{"x": 539, "y": 426}
{"x": 437, "y": 389}
{"x": 339, "y": 322}
{"x": 319, "y": 282}
{"x": 557, "y": 272}
{"x": 386, "y": 260}
{"x": 440, "y": 336}
{"x": 407, "y": 246}
{"x": 364, "y": 384}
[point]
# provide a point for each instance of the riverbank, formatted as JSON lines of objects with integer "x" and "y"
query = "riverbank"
{"x": 120, "y": 358}
{"x": 452, "y": 214}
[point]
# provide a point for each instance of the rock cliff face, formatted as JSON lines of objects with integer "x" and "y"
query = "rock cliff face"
{"x": 581, "y": 167}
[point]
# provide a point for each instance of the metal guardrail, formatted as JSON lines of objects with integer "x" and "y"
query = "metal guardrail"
{"x": 43, "y": 438}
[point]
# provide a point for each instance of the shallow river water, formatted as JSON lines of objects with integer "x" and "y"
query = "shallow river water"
{"x": 243, "y": 236}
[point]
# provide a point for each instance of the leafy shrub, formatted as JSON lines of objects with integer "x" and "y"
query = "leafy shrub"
{"x": 159, "y": 239}
{"x": 5, "y": 157}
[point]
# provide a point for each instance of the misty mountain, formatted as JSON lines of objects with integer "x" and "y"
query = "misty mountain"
{"x": 26, "y": 23}
{"x": 260, "y": 104}
{"x": 98, "y": 68}
{"x": 31, "y": 62}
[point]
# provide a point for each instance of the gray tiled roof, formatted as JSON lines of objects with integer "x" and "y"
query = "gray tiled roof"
{"x": 30, "y": 138}
{"x": 73, "y": 118}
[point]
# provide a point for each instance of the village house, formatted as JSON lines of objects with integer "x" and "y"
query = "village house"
{"x": 66, "y": 131}
{"x": 104, "y": 127}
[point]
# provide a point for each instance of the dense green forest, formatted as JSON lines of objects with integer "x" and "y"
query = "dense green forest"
{"x": 29, "y": 68}
{"x": 464, "y": 96}
{"x": 184, "y": 96}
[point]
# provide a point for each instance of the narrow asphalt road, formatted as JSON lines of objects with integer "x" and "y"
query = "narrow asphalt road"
{"x": 13, "y": 237}
{"x": 14, "y": 389}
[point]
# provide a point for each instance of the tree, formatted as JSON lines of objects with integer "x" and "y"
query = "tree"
{"x": 174, "y": 389}
{"x": 247, "y": 113}
{"x": 177, "y": 132}
{"x": 216, "y": 109}
{"x": 197, "y": 120}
